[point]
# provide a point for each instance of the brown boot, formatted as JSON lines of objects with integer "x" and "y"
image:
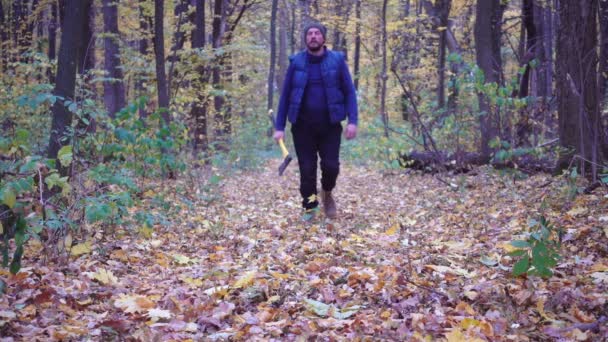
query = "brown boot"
{"x": 329, "y": 205}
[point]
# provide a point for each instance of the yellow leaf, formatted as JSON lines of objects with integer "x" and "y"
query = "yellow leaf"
{"x": 485, "y": 327}
{"x": 81, "y": 248}
{"x": 132, "y": 304}
{"x": 245, "y": 280}
{"x": 281, "y": 276}
{"x": 195, "y": 282}
{"x": 68, "y": 241}
{"x": 577, "y": 211}
{"x": 103, "y": 276}
{"x": 456, "y": 335}
{"x": 507, "y": 247}
{"x": 1, "y": 228}
{"x": 145, "y": 231}
{"x": 599, "y": 267}
{"x": 393, "y": 229}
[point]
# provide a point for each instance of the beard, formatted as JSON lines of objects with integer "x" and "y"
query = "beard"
{"x": 314, "y": 46}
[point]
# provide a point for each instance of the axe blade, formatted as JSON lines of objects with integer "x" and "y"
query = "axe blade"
{"x": 284, "y": 164}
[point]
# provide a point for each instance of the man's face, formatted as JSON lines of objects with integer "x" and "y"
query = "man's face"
{"x": 314, "y": 39}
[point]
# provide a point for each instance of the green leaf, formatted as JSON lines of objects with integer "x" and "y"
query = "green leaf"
{"x": 8, "y": 197}
{"x": 488, "y": 261}
{"x": 319, "y": 308}
{"x": 65, "y": 155}
{"x": 346, "y": 312}
{"x": 520, "y": 244}
{"x": 97, "y": 212}
{"x": 521, "y": 266}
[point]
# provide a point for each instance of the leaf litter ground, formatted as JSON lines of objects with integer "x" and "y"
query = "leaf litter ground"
{"x": 408, "y": 258}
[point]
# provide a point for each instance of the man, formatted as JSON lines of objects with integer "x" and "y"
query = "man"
{"x": 318, "y": 94}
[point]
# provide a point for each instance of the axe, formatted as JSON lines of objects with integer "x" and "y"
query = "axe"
{"x": 286, "y": 157}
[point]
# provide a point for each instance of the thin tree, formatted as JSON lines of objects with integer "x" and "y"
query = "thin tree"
{"x": 144, "y": 28}
{"x": 114, "y": 90}
{"x": 3, "y": 38}
{"x": 200, "y": 106}
{"x": 159, "y": 54}
{"x": 383, "y": 73}
{"x": 273, "y": 50}
{"x": 357, "y": 42}
{"x": 443, "y": 10}
{"x": 603, "y": 69}
{"x": 282, "y": 53}
{"x": 87, "y": 58}
{"x": 70, "y": 49}
{"x": 52, "y": 37}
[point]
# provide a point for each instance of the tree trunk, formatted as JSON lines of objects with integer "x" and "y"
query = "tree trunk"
{"x": 143, "y": 51}
{"x": 282, "y": 56}
{"x": 52, "y": 34}
{"x": 383, "y": 74}
{"x": 70, "y": 49}
{"x": 3, "y": 39}
{"x": 200, "y": 106}
{"x": 357, "y": 42}
{"x": 487, "y": 45}
{"x": 603, "y": 70}
{"x": 273, "y": 50}
{"x": 219, "y": 27}
{"x": 179, "y": 39}
{"x": 305, "y": 19}
{"x": 159, "y": 54}
{"x": 113, "y": 86}
{"x": 577, "y": 91}
{"x": 87, "y": 58}
{"x": 443, "y": 10}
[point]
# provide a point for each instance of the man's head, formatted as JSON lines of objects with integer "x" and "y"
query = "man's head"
{"x": 314, "y": 36}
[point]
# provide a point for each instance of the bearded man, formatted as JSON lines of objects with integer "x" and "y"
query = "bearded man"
{"x": 318, "y": 94}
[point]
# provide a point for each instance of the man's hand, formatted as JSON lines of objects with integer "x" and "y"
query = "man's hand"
{"x": 351, "y": 131}
{"x": 278, "y": 135}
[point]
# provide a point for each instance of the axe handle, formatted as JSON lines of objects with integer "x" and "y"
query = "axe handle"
{"x": 283, "y": 148}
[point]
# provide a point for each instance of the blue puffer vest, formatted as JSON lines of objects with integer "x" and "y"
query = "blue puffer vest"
{"x": 330, "y": 66}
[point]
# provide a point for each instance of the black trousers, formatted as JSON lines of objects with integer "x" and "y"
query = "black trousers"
{"x": 312, "y": 140}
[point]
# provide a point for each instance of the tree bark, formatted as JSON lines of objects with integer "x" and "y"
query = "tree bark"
{"x": 282, "y": 56}
{"x": 219, "y": 28}
{"x": 143, "y": 51}
{"x": 200, "y": 106}
{"x": 577, "y": 92}
{"x": 603, "y": 69}
{"x": 70, "y": 49}
{"x": 443, "y": 9}
{"x": 114, "y": 90}
{"x": 383, "y": 75}
{"x": 52, "y": 34}
{"x": 357, "y": 42}
{"x": 159, "y": 54}
{"x": 487, "y": 45}
{"x": 273, "y": 50}
{"x": 87, "y": 58}
{"x": 3, "y": 39}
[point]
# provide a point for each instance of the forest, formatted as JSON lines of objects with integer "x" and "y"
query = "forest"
{"x": 140, "y": 198}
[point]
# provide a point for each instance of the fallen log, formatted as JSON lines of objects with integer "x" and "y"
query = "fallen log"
{"x": 464, "y": 162}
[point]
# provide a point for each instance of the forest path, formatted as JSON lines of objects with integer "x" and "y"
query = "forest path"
{"x": 408, "y": 258}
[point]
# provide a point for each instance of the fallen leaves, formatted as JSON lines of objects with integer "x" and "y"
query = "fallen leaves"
{"x": 134, "y": 303}
{"x": 394, "y": 268}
